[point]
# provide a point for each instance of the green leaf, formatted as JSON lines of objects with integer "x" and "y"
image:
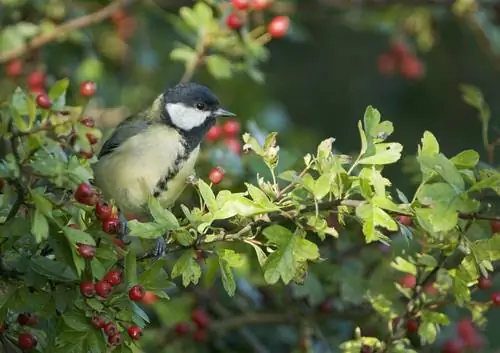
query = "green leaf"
{"x": 130, "y": 268}
{"x": 440, "y": 218}
{"x": 77, "y": 236}
{"x": 41, "y": 202}
{"x": 439, "y": 164}
{"x": 403, "y": 265}
{"x": 260, "y": 197}
{"x": 261, "y": 255}
{"x": 146, "y": 230}
{"x": 466, "y": 159}
{"x": 385, "y": 153}
{"x": 208, "y": 195}
{"x": 57, "y": 93}
{"x": 219, "y": 67}
{"x": 77, "y": 321}
{"x": 183, "y": 53}
{"x": 228, "y": 259}
{"x": 52, "y": 269}
{"x": 154, "y": 277}
{"x": 161, "y": 215}
{"x": 371, "y": 119}
{"x": 322, "y": 186}
{"x": 39, "y": 227}
{"x": 374, "y": 217}
{"x": 187, "y": 267}
{"x": 430, "y": 145}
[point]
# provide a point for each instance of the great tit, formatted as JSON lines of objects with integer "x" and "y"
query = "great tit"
{"x": 155, "y": 151}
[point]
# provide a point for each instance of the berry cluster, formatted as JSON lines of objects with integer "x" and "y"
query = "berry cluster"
{"x": 277, "y": 27}
{"x": 26, "y": 340}
{"x": 468, "y": 339}
{"x": 228, "y": 132}
{"x": 201, "y": 321}
{"x": 402, "y": 60}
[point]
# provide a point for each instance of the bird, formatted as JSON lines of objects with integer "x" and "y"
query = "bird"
{"x": 154, "y": 151}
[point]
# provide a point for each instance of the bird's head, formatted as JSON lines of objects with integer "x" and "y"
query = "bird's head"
{"x": 191, "y": 106}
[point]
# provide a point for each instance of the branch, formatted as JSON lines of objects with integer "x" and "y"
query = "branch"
{"x": 65, "y": 28}
{"x": 201, "y": 49}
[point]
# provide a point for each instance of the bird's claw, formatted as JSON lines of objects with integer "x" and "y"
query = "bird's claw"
{"x": 159, "y": 249}
{"x": 123, "y": 230}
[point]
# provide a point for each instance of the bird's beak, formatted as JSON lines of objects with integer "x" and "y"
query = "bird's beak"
{"x": 221, "y": 112}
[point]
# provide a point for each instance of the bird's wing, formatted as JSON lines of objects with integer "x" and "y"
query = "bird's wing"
{"x": 127, "y": 128}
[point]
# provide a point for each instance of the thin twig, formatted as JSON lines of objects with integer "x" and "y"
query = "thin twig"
{"x": 65, "y": 28}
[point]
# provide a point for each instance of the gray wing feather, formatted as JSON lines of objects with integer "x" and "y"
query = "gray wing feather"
{"x": 125, "y": 130}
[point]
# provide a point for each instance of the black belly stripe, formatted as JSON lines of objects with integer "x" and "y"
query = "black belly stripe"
{"x": 162, "y": 184}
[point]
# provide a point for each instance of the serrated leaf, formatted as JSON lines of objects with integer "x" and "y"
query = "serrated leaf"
{"x": 439, "y": 164}
{"x": 260, "y": 197}
{"x": 466, "y": 159}
{"x": 161, "y": 215}
{"x": 219, "y": 67}
{"x": 154, "y": 277}
{"x": 430, "y": 145}
{"x": 208, "y": 195}
{"x": 130, "y": 268}
{"x": 385, "y": 153}
{"x": 77, "y": 236}
{"x": 146, "y": 230}
{"x": 261, "y": 255}
{"x": 373, "y": 218}
{"x": 57, "y": 93}
{"x": 52, "y": 269}
{"x": 77, "y": 321}
{"x": 39, "y": 227}
{"x": 227, "y": 277}
{"x": 187, "y": 267}
{"x": 404, "y": 265}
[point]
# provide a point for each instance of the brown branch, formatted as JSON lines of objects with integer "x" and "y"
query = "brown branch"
{"x": 65, "y": 28}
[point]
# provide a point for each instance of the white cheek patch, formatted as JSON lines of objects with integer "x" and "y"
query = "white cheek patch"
{"x": 186, "y": 117}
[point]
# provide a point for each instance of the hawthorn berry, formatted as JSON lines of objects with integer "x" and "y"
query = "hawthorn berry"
{"x": 84, "y": 193}
{"x": 149, "y": 298}
{"x": 231, "y": 128}
{"x": 200, "y": 335}
{"x": 468, "y": 334}
{"x": 408, "y": 281}
{"x": 495, "y": 225}
{"x": 484, "y": 283}
{"x": 26, "y": 341}
{"x": 88, "y": 122}
{"x": 452, "y": 346}
{"x": 200, "y": 318}
{"x": 110, "y": 329}
{"x": 182, "y": 328}
{"x": 98, "y": 321}
{"x": 86, "y": 251}
{"x": 259, "y": 5}
{"x": 43, "y": 101}
{"x": 411, "y": 68}
{"x": 87, "y": 289}
{"x": 216, "y": 175}
{"x": 495, "y": 298}
{"x": 386, "y": 64}
{"x": 240, "y": 4}
{"x": 399, "y": 49}
{"x": 103, "y": 288}
{"x": 74, "y": 226}
{"x": 111, "y": 225}
{"x": 103, "y": 211}
{"x": 431, "y": 289}
{"x": 27, "y": 319}
{"x": 35, "y": 79}
{"x": 87, "y": 88}
{"x": 135, "y": 332}
{"x": 14, "y": 68}
{"x": 136, "y": 293}
{"x": 278, "y": 26}
{"x": 412, "y": 325}
{"x": 233, "y": 21}
{"x": 405, "y": 220}
{"x": 326, "y": 306}
{"x": 233, "y": 145}
{"x": 113, "y": 277}
{"x": 115, "y": 340}
{"x": 214, "y": 133}
{"x": 91, "y": 138}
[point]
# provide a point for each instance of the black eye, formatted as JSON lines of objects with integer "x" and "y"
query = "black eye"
{"x": 200, "y": 106}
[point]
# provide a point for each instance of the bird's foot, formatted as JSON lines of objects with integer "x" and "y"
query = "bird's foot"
{"x": 159, "y": 248}
{"x": 123, "y": 230}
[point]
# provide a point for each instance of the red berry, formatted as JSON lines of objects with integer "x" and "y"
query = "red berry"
{"x": 466, "y": 331}
{"x": 240, "y": 4}
{"x": 233, "y": 21}
{"x": 115, "y": 340}
{"x": 113, "y": 277}
{"x": 216, "y": 175}
{"x": 111, "y": 226}
{"x": 87, "y": 289}
{"x": 135, "y": 332}
{"x": 259, "y": 5}
{"x": 405, "y": 220}
{"x": 83, "y": 193}
{"x": 86, "y": 251}
{"x": 26, "y": 341}
{"x": 412, "y": 325}
{"x": 98, "y": 321}
{"x": 452, "y": 346}
{"x": 103, "y": 211}
{"x": 399, "y": 49}
{"x": 91, "y": 138}
{"x": 88, "y": 122}
{"x": 14, "y": 68}
{"x": 149, "y": 298}
{"x": 35, "y": 79}
{"x": 119, "y": 243}
{"x": 233, "y": 145}
{"x": 87, "y": 88}
{"x": 231, "y": 127}
{"x": 326, "y": 306}
{"x": 484, "y": 283}
{"x": 200, "y": 318}
{"x": 278, "y": 26}
{"x": 495, "y": 298}
{"x": 38, "y": 90}
{"x": 200, "y": 335}
{"x": 136, "y": 293}
{"x": 495, "y": 226}
{"x": 214, "y": 133}
{"x": 110, "y": 328}
{"x": 386, "y": 64}
{"x": 86, "y": 154}
{"x": 411, "y": 68}
{"x": 182, "y": 328}
{"x": 103, "y": 288}
{"x": 431, "y": 289}
{"x": 74, "y": 226}
{"x": 43, "y": 101}
{"x": 408, "y": 281}
{"x": 27, "y": 319}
